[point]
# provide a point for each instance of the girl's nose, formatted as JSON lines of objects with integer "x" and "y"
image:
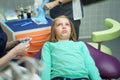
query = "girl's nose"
{"x": 64, "y": 27}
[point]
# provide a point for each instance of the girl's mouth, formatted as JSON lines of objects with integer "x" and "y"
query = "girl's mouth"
{"x": 64, "y": 31}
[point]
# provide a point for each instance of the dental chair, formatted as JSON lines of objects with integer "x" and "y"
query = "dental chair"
{"x": 108, "y": 65}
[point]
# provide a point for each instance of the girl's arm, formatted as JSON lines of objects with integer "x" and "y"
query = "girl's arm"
{"x": 90, "y": 64}
{"x": 46, "y": 60}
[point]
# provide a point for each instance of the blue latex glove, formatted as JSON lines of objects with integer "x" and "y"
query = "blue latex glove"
{"x": 42, "y": 13}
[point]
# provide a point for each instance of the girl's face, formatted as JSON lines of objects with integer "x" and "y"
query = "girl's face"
{"x": 62, "y": 29}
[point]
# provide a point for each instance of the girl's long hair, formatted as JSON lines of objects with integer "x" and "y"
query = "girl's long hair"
{"x": 53, "y": 35}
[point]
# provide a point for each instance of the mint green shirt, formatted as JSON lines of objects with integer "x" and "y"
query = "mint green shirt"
{"x": 68, "y": 59}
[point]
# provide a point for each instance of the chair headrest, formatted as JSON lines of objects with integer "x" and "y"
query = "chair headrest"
{"x": 112, "y": 33}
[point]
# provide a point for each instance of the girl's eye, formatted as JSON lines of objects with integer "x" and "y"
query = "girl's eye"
{"x": 67, "y": 24}
{"x": 59, "y": 24}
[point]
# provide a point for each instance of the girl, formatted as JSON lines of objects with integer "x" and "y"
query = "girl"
{"x": 64, "y": 58}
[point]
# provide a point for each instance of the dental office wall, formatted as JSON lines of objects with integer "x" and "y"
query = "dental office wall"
{"x": 95, "y": 13}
